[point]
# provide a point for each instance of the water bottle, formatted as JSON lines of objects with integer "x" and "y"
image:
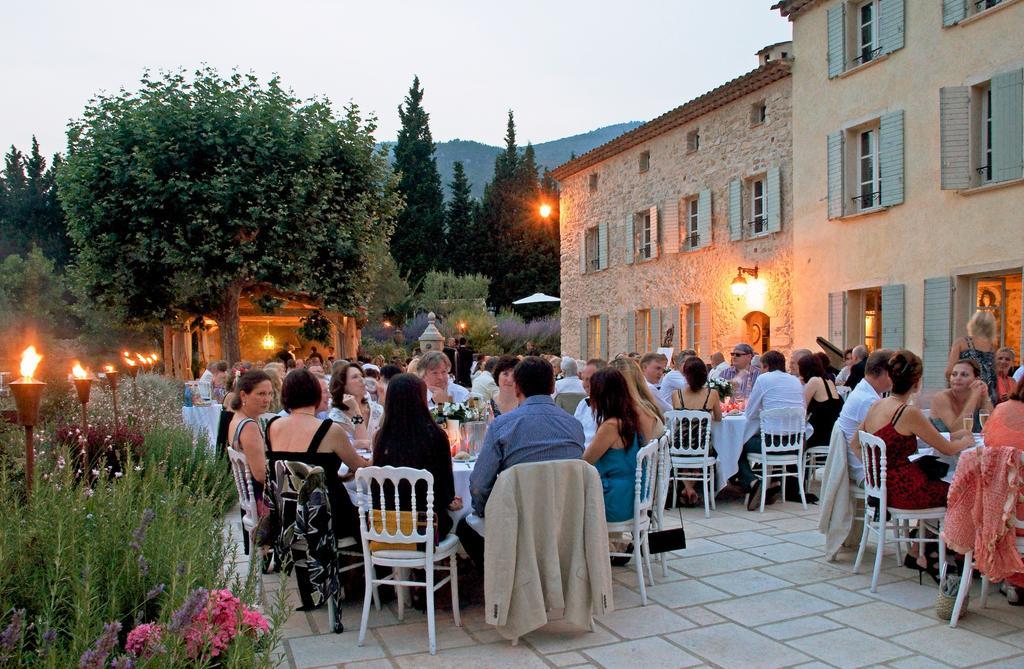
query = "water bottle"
{"x": 188, "y": 395}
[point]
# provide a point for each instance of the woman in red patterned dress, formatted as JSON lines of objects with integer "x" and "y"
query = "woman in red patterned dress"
{"x": 899, "y": 424}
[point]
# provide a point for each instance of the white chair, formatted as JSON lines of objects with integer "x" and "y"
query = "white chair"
{"x": 250, "y": 516}
{"x": 689, "y": 455}
{"x": 968, "y": 573}
{"x": 783, "y": 432}
{"x": 877, "y": 500}
{"x": 640, "y": 525}
{"x": 814, "y": 459}
{"x": 376, "y": 524}
{"x": 661, "y": 491}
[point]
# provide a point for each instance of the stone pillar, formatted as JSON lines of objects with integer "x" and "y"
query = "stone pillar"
{"x": 431, "y": 339}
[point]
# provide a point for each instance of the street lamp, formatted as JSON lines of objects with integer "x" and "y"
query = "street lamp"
{"x": 739, "y": 284}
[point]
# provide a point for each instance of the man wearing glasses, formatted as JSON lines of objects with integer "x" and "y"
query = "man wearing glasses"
{"x": 741, "y": 374}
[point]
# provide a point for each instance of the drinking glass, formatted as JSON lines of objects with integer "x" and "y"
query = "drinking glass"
{"x": 982, "y": 417}
{"x": 969, "y": 423}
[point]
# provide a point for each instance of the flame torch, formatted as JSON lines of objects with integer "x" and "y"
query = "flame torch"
{"x": 112, "y": 375}
{"x": 27, "y": 395}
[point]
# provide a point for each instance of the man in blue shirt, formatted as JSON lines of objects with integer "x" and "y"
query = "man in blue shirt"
{"x": 537, "y": 431}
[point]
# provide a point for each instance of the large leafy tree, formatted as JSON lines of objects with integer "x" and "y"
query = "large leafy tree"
{"x": 30, "y": 214}
{"x": 189, "y": 191}
{"x": 419, "y": 233}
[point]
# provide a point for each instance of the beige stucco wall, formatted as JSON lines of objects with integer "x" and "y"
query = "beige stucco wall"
{"x": 730, "y": 148}
{"x": 934, "y": 232}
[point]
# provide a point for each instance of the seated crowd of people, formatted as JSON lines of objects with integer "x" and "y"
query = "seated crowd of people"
{"x": 355, "y": 413}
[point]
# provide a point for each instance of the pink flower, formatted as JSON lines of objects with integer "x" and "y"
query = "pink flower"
{"x": 144, "y": 640}
{"x": 254, "y": 620}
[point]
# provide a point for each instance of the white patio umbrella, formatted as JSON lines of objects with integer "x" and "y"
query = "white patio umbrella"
{"x": 537, "y": 298}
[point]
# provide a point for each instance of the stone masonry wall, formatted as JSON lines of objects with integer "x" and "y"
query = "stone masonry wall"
{"x": 730, "y": 148}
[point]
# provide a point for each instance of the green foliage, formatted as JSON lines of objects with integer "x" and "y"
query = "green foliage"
{"x": 30, "y": 214}
{"x": 188, "y": 191}
{"x": 517, "y": 245}
{"x": 31, "y": 297}
{"x": 392, "y": 298}
{"x": 419, "y": 234}
{"x": 266, "y": 303}
{"x": 462, "y": 233}
{"x": 315, "y": 327}
{"x": 444, "y": 292}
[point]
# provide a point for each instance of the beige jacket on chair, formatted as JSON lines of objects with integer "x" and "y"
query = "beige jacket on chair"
{"x": 546, "y": 547}
{"x": 836, "y": 519}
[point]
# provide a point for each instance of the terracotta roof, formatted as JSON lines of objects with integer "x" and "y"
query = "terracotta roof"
{"x": 790, "y": 8}
{"x": 732, "y": 90}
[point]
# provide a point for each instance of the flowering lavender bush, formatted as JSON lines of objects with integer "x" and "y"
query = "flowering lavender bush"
{"x": 88, "y": 564}
{"x": 513, "y": 335}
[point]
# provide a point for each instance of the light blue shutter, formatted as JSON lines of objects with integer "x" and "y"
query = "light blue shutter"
{"x": 673, "y": 320}
{"x": 655, "y": 330}
{"x": 583, "y": 338}
{"x": 629, "y": 239}
{"x": 653, "y": 212}
{"x": 630, "y": 330}
{"x": 703, "y": 218}
{"x": 938, "y": 329}
{"x": 955, "y": 130}
{"x": 735, "y": 210}
{"x": 773, "y": 195}
{"x": 670, "y": 239}
{"x": 603, "y": 320}
{"x": 835, "y": 174}
{"x": 837, "y": 319}
{"x": 890, "y": 158}
{"x": 953, "y": 11}
{"x": 602, "y": 246}
{"x": 583, "y": 252}
{"x": 1008, "y": 125}
{"x": 893, "y": 309}
{"x": 891, "y": 25}
{"x": 836, "y": 39}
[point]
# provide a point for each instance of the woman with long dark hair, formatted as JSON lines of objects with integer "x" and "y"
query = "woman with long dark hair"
{"x": 409, "y": 437}
{"x": 620, "y": 430}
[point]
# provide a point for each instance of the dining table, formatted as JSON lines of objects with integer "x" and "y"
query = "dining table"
{"x": 727, "y": 439}
{"x": 203, "y": 420}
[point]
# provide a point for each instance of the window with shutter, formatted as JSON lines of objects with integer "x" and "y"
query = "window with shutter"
{"x": 631, "y": 319}
{"x": 652, "y": 215}
{"x": 603, "y": 336}
{"x": 704, "y": 218}
{"x": 835, "y": 175}
{"x": 592, "y": 250}
{"x": 584, "y": 351}
{"x": 655, "y": 339}
{"x": 629, "y": 240}
{"x": 673, "y": 322}
{"x": 891, "y": 25}
{"x": 867, "y": 32}
{"x": 692, "y": 234}
{"x": 868, "y": 179}
{"x": 1007, "y": 111}
{"x": 953, "y": 11}
{"x": 641, "y": 341}
{"x": 837, "y": 319}
{"x": 602, "y": 245}
{"x": 836, "y": 39}
{"x": 758, "y": 224}
{"x": 644, "y": 235}
{"x": 670, "y": 239}
{"x": 773, "y": 199}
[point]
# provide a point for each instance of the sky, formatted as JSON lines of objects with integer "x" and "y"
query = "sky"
{"x": 563, "y": 66}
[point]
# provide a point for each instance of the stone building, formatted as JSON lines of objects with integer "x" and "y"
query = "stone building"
{"x": 657, "y": 223}
{"x": 909, "y": 179}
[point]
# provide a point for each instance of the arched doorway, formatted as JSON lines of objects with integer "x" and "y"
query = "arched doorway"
{"x": 758, "y": 331}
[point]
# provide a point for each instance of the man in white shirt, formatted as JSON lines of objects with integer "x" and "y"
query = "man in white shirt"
{"x": 1019, "y": 374}
{"x": 868, "y": 391}
{"x": 718, "y": 365}
{"x": 773, "y": 389}
{"x": 484, "y": 384}
{"x": 675, "y": 380}
{"x": 434, "y": 369}
{"x": 583, "y": 413}
{"x": 653, "y": 367}
{"x": 571, "y": 382}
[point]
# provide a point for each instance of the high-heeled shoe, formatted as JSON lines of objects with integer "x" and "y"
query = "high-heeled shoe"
{"x": 910, "y": 562}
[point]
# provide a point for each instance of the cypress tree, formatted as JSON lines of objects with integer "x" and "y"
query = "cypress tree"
{"x": 419, "y": 231}
{"x": 30, "y": 214}
{"x": 463, "y": 236}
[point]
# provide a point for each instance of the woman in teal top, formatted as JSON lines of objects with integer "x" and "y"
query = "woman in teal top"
{"x": 621, "y": 430}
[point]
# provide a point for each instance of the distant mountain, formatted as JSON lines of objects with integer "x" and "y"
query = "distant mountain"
{"x": 478, "y": 158}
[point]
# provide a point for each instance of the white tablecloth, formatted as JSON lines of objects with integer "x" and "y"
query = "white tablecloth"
{"x": 727, "y": 438}
{"x": 203, "y": 421}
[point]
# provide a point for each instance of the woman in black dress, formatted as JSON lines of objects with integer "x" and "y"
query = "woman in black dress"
{"x": 821, "y": 399}
{"x": 409, "y": 437}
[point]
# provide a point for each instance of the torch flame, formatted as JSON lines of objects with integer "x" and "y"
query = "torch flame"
{"x": 78, "y": 372}
{"x": 128, "y": 361}
{"x": 29, "y": 360}
{"x": 154, "y": 357}
{"x": 140, "y": 358}
{"x": 108, "y": 368}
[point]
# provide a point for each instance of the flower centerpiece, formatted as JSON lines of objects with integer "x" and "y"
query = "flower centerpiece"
{"x": 458, "y": 411}
{"x": 723, "y": 387}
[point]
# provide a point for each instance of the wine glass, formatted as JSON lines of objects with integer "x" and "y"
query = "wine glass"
{"x": 982, "y": 417}
{"x": 968, "y": 423}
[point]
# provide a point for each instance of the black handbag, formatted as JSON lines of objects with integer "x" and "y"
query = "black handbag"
{"x": 932, "y": 467}
{"x": 663, "y": 541}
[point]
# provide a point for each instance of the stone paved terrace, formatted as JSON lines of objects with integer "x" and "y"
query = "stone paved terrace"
{"x": 751, "y": 591}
